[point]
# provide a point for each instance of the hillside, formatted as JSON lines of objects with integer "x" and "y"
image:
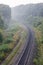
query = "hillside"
{"x": 5, "y": 11}
{"x": 22, "y": 12}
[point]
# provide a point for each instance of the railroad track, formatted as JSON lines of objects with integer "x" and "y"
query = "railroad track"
{"x": 28, "y": 55}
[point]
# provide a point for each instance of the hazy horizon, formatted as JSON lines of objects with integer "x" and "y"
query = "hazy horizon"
{"x": 13, "y": 3}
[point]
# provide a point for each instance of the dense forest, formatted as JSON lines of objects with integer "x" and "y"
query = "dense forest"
{"x": 23, "y": 12}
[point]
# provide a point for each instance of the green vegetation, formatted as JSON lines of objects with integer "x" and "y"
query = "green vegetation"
{"x": 37, "y": 23}
{"x": 23, "y": 34}
{"x": 5, "y": 48}
{"x": 32, "y": 15}
{"x": 1, "y": 23}
{"x": 38, "y": 27}
{"x": 10, "y": 41}
{"x": 1, "y": 37}
{"x": 7, "y": 43}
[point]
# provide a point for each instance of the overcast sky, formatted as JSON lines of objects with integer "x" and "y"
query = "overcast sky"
{"x": 13, "y": 3}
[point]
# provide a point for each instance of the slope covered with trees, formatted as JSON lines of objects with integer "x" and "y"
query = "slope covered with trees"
{"x": 22, "y": 12}
{"x": 5, "y": 11}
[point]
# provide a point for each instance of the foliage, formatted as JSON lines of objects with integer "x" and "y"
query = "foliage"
{"x": 39, "y": 37}
{"x": 9, "y": 39}
{"x": 16, "y": 49}
{"x": 1, "y": 37}
{"x": 1, "y": 23}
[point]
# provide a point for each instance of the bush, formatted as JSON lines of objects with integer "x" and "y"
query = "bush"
{"x": 7, "y": 50}
{"x": 41, "y": 41}
{"x": 4, "y": 48}
{"x": 2, "y": 56}
{"x": 1, "y": 37}
{"x": 35, "y": 61}
{"x": 8, "y": 40}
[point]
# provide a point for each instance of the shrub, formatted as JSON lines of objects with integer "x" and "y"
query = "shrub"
{"x": 35, "y": 61}
{"x": 4, "y": 48}
{"x": 2, "y": 56}
{"x": 1, "y": 37}
{"x": 41, "y": 41}
{"x": 8, "y": 40}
